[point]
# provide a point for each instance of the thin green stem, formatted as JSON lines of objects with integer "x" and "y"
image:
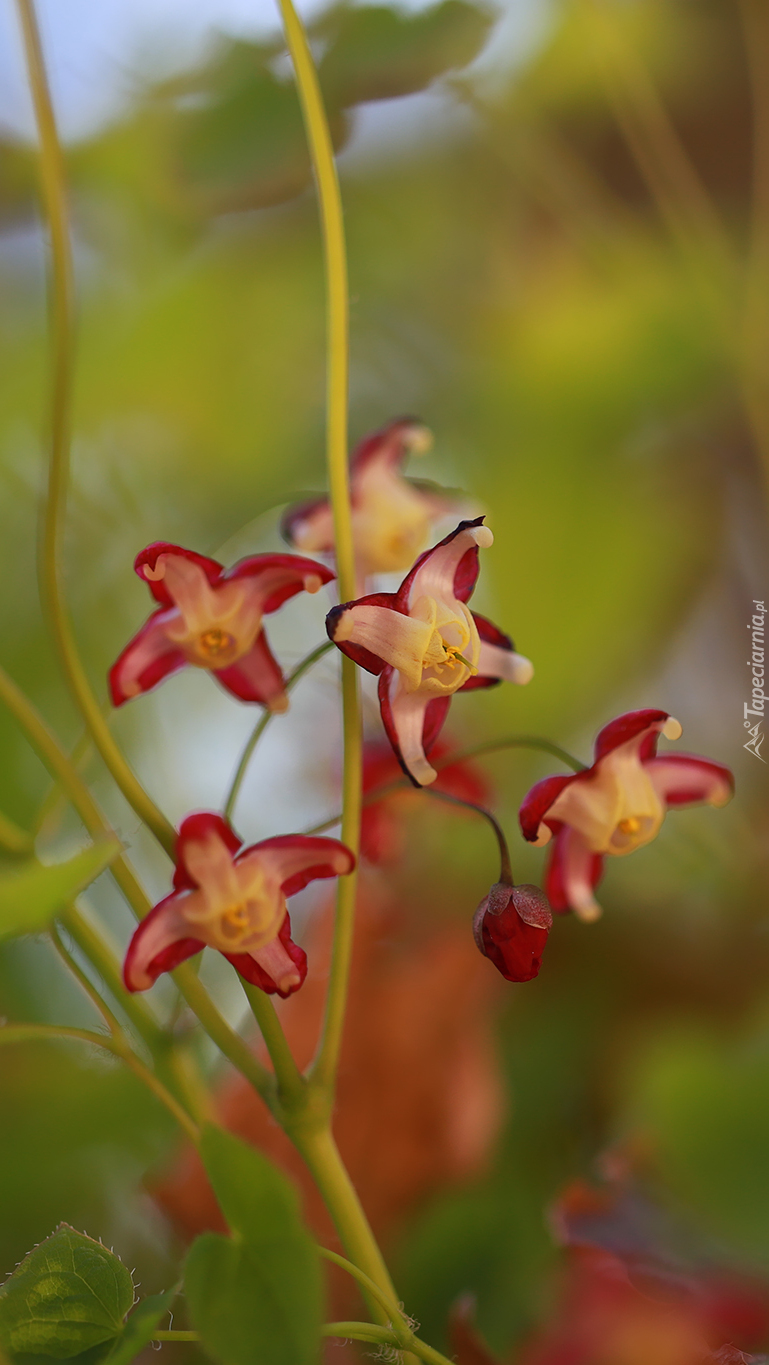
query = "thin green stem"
{"x": 366, "y": 1331}
{"x": 30, "y": 1033}
{"x": 290, "y": 1081}
{"x": 476, "y": 751}
{"x": 175, "y": 1336}
{"x": 15, "y": 841}
{"x": 261, "y": 725}
{"x": 229, "y": 1043}
{"x": 337, "y": 336}
{"x": 505, "y": 866}
{"x": 62, "y": 308}
{"x": 317, "y": 1146}
{"x": 365, "y": 1281}
{"x": 74, "y": 968}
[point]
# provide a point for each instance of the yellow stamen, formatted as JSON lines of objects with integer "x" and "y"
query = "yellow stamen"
{"x": 629, "y": 826}
{"x": 215, "y": 641}
{"x": 453, "y": 656}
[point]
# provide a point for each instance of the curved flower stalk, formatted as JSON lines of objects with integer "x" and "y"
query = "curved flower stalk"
{"x": 391, "y": 515}
{"x": 233, "y": 899}
{"x": 425, "y": 645}
{"x": 212, "y": 619}
{"x": 615, "y": 806}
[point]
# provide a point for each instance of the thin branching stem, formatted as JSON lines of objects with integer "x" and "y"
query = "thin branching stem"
{"x": 62, "y": 311}
{"x": 261, "y": 725}
{"x": 505, "y": 866}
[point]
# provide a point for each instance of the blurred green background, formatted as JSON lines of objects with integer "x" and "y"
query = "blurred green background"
{"x": 558, "y": 261}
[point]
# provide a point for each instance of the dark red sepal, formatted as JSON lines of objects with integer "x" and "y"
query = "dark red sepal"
{"x": 250, "y": 970}
{"x": 465, "y": 574}
{"x": 510, "y": 927}
{"x": 627, "y": 727}
{"x": 538, "y": 801}
{"x": 363, "y": 657}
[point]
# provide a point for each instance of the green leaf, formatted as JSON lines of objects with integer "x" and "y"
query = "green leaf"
{"x": 141, "y": 1327}
{"x": 31, "y": 896}
{"x": 255, "y": 1298}
{"x": 69, "y": 1294}
{"x": 378, "y": 53}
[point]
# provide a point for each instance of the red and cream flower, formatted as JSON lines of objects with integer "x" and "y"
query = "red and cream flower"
{"x": 617, "y": 805}
{"x": 212, "y": 619}
{"x": 233, "y": 899}
{"x": 391, "y": 515}
{"x": 425, "y": 644}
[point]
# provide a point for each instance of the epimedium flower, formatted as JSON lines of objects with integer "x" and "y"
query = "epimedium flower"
{"x": 425, "y": 645}
{"x": 391, "y": 515}
{"x": 615, "y": 806}
{"x": 510, "y": 927}
{"x": 212, "y": 618}
{"x": 233, "y": 899}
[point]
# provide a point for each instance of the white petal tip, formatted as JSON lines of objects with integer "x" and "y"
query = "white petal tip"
{"x": 672, "y": 729}
{"x": 544, "y": 835}
{"x": 419, "y": 439}
{"x": 344, "y": 627}
{"x": 288, "y": 982}
{"x": 522, "y": 670}
{"x": 722, "y": 798}
{"x": 484, "y": 536}
{"x": 421, "y": 771}
{"x": 312, "y": 583}
{"x": 157, "y": 573}
{"x": 278, "y": 705}
{"x": 588, "y": 911}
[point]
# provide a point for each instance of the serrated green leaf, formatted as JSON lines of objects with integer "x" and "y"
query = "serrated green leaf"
{"x": 257, "y": 1297}
{"x": 68, "y": 1295}
{"x": 32, "y": 895}
{"x": 140, "y": 1327}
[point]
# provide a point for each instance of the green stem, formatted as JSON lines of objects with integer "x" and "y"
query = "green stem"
{"x": 229, "y": 1043}
{"x": 476, "y": 751}
{"x": 366, "y": 1331}
{"x": 119, "y": 1047}
{"x": 62, "y": 307}
{"x": 290, "y": 1081}
{"x": 505, "y": 869}
{"x": 264, "y": 720}
{"x": 317, "y": 1147}
{"x": 368, "y": 1284}
{"x": 337, "y": 337}
{"x": 14, "y": 841}
{"x": 175, "y": 1336}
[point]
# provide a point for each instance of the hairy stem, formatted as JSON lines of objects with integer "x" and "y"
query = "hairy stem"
{"x": 261, "y": 725}
{"x": 62, "y": 310}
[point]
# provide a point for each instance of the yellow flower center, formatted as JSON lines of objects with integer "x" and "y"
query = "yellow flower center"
{"x": 629, "y": 826}
{"x": 214, "y": 642}
{"x": 234, "y": 920}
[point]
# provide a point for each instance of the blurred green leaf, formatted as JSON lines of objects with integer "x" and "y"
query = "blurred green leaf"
{"x": 256, "y": 1297}
{"x": 140, "y": 1327}
{"x": 31, "y": 896}
{"x": 69, "y": 1294}
{"x": 378, "y": 53}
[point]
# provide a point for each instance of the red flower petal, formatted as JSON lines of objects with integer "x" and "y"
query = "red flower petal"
{"x": 196, "y": 828}
{"x": 257, "y": 677}
{"x": 573, "y": 871}
{"x": 146, "y": 660}
{"x": 627, "y": 727}
{"x": 538, "y": 801}
{"x": 250, "y": 970}
{"x": 280, "y": 576}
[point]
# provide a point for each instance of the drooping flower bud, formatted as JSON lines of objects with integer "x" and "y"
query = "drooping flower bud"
{"x": 511, "y": 926}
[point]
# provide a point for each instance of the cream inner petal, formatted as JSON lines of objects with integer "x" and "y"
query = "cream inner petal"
{"x": 616, "y": 809}
{"x": 391, "y": 519}
{"x": 215, "y": 625}
{"x": 238, "y": 907}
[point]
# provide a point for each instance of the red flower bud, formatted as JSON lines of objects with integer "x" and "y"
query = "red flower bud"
{"x": 511, "y": 926}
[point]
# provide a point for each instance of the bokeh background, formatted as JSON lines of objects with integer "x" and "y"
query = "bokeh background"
{"x": 558, "y": 226}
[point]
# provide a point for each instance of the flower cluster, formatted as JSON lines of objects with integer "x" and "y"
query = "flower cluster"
{"x": 424, "y": 644}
